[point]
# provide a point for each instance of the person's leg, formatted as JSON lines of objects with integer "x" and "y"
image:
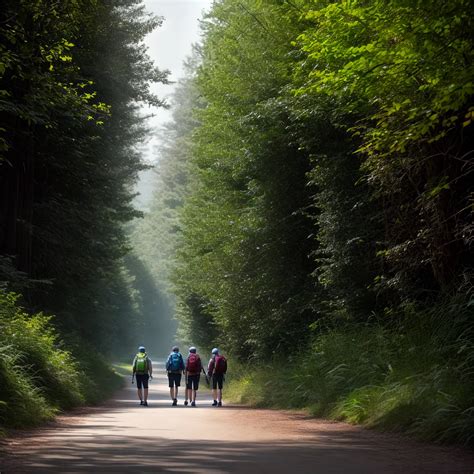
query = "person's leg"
{"x": 195, "y": 387}
{"x": 145, "y": 389}
{"x": 139, "y": 388}
{"x": 177, "y": 383}
{"x": 173, "y": 392}
{"x": 220, "y": 386}
{"x": 214, "y": 390}
{"x": 189, "y": 389}
{"x": 171, "y": 385}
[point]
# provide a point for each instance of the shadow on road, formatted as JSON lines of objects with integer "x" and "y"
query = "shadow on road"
{"x": 119, "y": 454}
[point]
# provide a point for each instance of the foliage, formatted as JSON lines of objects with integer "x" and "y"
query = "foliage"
{"x": 39, "y": 374}
{"x": 326, "y": 216}
{"x": 72, "y": 77}
{"x": 243, "y": 275}
{"x": 414, "y": 375}
{"x": 403, "y": 71}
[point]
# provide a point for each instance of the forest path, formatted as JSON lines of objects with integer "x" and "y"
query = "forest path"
{"x": 122, "y": 436}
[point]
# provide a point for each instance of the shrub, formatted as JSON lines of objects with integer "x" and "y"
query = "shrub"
{"x": 413, "y": 375}
{"x": 38, "y": 376}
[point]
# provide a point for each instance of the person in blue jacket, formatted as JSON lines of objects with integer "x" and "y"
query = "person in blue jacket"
{"x": 175, "y": 368}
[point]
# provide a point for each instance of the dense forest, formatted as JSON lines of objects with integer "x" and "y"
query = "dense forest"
{"x": 315, "y": 207}
{"x": 313, "y": 210}
{"x": 73, "y": 76}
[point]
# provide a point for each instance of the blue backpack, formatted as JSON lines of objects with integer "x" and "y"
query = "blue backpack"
{"x": 175, "y": 362}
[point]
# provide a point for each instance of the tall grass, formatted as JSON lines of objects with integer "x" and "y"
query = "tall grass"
{"x": 39, "y": 376}
{"x": 414, "y": 374}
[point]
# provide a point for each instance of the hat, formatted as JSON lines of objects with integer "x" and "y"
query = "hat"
{"x": 141, "y": 349}
{"x": 192, "y": 349}
{"x": 215, "y": 350}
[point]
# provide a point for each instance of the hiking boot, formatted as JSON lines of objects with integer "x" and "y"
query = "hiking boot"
{"x": 175, "y": 402}
{"x": 185, "y": 403}
{"x": 145, "y": 404}
{"x": 214, "y": 403}
{"x": 193, "y": 404}
{"x": 219, "y": 404}
{"x": 141, "y": 402}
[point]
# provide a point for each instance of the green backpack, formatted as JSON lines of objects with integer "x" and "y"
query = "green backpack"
{"x": 141, "y": 363}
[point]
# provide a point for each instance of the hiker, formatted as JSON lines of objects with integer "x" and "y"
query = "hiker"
{"x": 216, "y": 370}
{"x": 193, "y": 374}
{"x": 175, "y": 369}
{"x": 142, "y": 371}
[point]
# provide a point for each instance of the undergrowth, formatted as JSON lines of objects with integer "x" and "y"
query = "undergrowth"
{"x": 414, "y": 375}
{"x": 39, "y": 374}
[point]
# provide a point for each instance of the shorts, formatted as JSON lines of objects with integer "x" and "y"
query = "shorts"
{"x": 193, "y": 382}
{"x": 142, "y": 379}
{"x": 217, "y": 381}
{"x": 174, "y": 379}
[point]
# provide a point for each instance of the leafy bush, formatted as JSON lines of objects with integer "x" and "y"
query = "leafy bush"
{"x": 21, "y": 402}
{"x": 38, "y": 376}
{"x": 414, "y": 375}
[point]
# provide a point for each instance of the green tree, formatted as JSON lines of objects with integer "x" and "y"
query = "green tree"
{"x": 72, "y": 128}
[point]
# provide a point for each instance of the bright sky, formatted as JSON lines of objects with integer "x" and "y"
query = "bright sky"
{"x": 168, "y": 47}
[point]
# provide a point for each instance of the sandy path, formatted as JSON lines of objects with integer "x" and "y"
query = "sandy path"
{"x": 125, "y": 437}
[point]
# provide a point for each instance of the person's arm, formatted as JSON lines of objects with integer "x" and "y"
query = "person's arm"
{"x": 150, "y": 367}
{"x": 133, "y": 368}
{"x": 210, "y": 367}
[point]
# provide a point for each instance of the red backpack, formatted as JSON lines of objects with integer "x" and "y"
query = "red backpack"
{"x": 220, "y": 364}
{"x": 193, "y": 365}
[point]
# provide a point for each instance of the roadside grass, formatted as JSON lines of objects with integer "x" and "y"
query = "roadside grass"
{"x": 40, "y": 375}
{"x": 414, "y": 375}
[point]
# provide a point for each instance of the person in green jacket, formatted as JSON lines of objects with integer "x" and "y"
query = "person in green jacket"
{"x": 142, "y": 371}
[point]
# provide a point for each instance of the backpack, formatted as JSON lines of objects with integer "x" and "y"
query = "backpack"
{"x": 175, "y": 362}
{"x": 141, "y": 363}
{"x": 220, "y": 364}
{"x": 194, "y": 365}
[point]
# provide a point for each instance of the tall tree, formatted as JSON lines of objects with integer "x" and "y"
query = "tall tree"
{"x": 69, "y": 194}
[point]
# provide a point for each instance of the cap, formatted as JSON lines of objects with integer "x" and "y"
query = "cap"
{"x": 215, "y": 350}
{"x": 192, "y": 349}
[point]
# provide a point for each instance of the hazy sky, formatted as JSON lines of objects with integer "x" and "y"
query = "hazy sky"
{"x": 169, "y": 46}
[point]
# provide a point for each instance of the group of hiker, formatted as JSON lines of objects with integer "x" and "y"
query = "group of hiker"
{"x": 176, "y": 367}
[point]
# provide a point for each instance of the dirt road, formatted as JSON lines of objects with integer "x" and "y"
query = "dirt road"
{"x": 125, "y": 437}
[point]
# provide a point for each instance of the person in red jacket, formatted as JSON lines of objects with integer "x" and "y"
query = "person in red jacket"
{"x": 193, "y": 374}
{"x": 216, "y": 370}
